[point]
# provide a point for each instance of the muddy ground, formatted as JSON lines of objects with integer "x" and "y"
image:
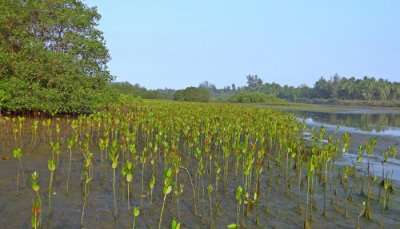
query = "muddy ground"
{"x": 276, "y": 208}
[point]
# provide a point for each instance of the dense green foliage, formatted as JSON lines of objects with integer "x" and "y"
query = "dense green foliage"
{"x": 136, "y": 90}
{"x": 336, "y": 88}
{"x": 193, "y": 94}
{"x": 183, "y": 160}
{"x": 254, "y": 97}
{"x": 52, "y": 56}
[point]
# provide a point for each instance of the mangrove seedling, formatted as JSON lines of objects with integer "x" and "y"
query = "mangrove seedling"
{"x": 114, "y": 164}
{"x": 71, "y": 143}
{"x": 136, "y": 213}
{"x": 390, "y": 152}
{"x": 51, "y": 165}
{"x": 17, "y": 154}
{"x": 369, "y": 148}
{"x": 167, "y": 189}
{"x": 310, "y": 175}
{"x": 210, "y": 190}
{"x": 152, "y": 183}
{"x": 55, "y": 149}
{"x": 239, "y": 202}
{"x": 175, "y": 224}
{"x": 127, "y": 172}
{"x": 35, "y": 126}
{"x": 37, "y": 202}
{"x": 86, "y": 179}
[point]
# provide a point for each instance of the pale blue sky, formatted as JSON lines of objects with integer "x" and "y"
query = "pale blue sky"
{"x": 174, "y": 44}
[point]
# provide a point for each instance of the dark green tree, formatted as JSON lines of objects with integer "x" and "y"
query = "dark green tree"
{"x": 52, "y": 56}
{"x": 193, "y": 94}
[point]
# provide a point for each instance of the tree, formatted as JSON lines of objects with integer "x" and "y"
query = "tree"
{"x": 193, "y": 94}
{"x": 253, "y": 81}
{"x": 52, "y": 56}
{"x": 209, "y": 86}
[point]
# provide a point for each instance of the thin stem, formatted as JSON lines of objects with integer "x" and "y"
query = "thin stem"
{"x": 162, "y": 211}
{"x": 50, "y": 190}
{"x": 69, "y": 169}
{"x": 115, "y": 197}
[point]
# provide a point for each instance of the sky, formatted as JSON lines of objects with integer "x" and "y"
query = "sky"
{"x": 175, "y": 44}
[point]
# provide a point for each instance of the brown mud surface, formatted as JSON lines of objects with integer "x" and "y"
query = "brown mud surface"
{"x": 277, "y": 208}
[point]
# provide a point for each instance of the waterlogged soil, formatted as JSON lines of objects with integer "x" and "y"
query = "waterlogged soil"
{"x": 279, "y": 207}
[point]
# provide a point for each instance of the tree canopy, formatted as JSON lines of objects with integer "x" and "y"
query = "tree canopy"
{"x": 52, "y": 56}
{"x": 254, "y": 97}
{"x": 336, "y": 87}
{"x": 193, "y": 94}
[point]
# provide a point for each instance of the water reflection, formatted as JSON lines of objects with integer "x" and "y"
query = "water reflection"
{"x": 368, "y": 122}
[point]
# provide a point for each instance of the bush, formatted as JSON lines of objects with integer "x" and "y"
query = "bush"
{"x": 254, "y": 97}
{"x": 193, "y": 94}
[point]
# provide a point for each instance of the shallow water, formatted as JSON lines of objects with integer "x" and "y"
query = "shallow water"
{"x": 391, "y": 167}
{"x": 389, "y": 131}
{"x": 361, "y": 121}
{"x": 361, "y": 124}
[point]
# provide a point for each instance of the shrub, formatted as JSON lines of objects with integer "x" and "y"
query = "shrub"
{"x": 193, "y": 94}
{"x": 254, "y": 97}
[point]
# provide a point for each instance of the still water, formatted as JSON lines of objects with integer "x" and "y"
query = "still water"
{"x": 385, "y": 124}
{"x": 361, "y": 124}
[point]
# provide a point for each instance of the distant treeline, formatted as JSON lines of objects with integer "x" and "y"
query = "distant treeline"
{"x": 337, "y": 89}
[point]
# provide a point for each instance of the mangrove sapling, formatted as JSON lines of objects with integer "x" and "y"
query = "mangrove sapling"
{"x": 114, "y": 156}
{"x": 210, "y": 190}
{"x": 55, "y": 149}
{"x": 233, "y": 226}
{"x": 127, "y": 172}
{"x": 369, "y": 148}
{"x": 35, "y": 125}
{"x": 167, "y": 188}
{"x": 51, "y": 165}
{"x": 70, "y": 145}
{"x": 152, "y": 184}
{"x": 325, "y": 160}
{"x": 193, "y": 190}
{"x": 239, "y": 202}
{"x": 388, "y": 191}
{"x": 86, "y": 179}
{"x": 348, "y": 173}
{"x": 390, "y": 152}
{"x": 47, "y": 123}
{"x": 142, "y": 159}
{"x": 58, "y": 131}
{"x": 299, "y": 170}
{"x": 178, "y": 190}
{"x": 136, "y": 213}
{"x": 36, "y": 219}
{"x": 226, "y": 154}
{"x": 217, "y": 175}
{"x": 200, "y": 173}
{"x": 175, "y": 224}
{"x": 17, "y": 154}
{"x": 15, "y": 132}
{"x": 358, "y": 162}
{"x": 102, "y": 147}
{"x": 248, "y": 169}
{"x": 310, "y": 175}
